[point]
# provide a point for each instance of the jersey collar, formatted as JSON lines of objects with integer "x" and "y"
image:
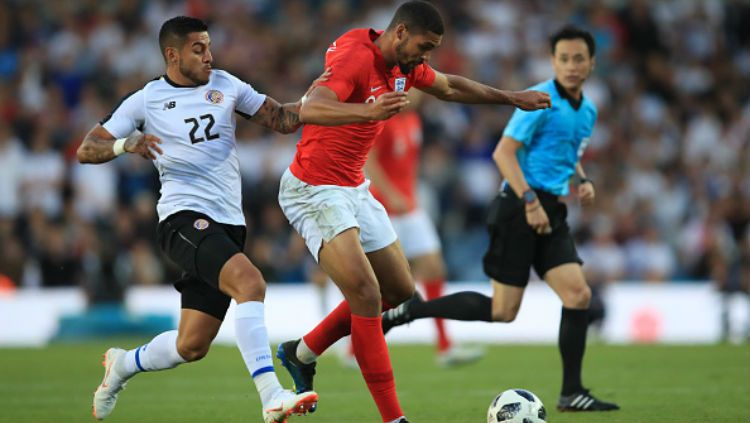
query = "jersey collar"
{"x": 176, "y": 85}
{"x": 576, "y": 104}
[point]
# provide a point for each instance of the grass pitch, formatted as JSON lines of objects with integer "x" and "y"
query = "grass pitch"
{"x": 679, "y": 384}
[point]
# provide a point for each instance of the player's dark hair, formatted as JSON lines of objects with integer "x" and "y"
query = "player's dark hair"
{"x": 419, "y": 17}
{"x": 570, "y": 32}
{"x": 174, "y": 31}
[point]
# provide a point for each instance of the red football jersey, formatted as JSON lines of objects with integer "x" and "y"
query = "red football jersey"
{"x": 335, "y": 155}
{"x": 397, "y": 152}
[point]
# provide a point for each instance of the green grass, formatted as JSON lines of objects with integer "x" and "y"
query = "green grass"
{"x": 679, "y": 384}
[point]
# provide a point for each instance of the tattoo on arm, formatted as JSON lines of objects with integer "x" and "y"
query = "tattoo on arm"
{"x": 280, "y": 118}
{"x": 96, "y": 146}
{"x": 95, "y": 150}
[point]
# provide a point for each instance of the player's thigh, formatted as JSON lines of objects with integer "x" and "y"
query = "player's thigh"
{"x": 511, "y": 249}
{"x": 201, "y": 247}
{"x": 346, "y": 263}
{"x": 196, "y": 294}
{"x": 241, "y": 280}
{"x": 317, "y": 213}
{"x": 392, "y": 271}
{"x": 568, "y": 281}
{"x": 195, "y": 333}
{"x": 506, "y": 301}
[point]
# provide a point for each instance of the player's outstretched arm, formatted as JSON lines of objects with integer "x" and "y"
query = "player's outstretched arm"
{"x": 322, "y": 107}
{"x": 284, "y": 118}
{"x": 464, "y": 90}
{"x": 280, "y": 118}
{"x": 99, "y": 146}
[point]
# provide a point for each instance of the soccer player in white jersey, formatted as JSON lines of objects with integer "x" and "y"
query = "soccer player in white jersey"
{"x": 184, "y": 121}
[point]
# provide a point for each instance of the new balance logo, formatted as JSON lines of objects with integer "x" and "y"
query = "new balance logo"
{"x": 169, "y": 105}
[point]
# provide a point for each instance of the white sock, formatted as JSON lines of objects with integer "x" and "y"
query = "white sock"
{"x": 159, "y": 354}
{"x": 304, "y": 353}
{"x": 252, "y": 340}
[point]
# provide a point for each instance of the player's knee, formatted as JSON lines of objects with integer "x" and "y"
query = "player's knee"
{"x": 366, "y": 292}
{"x": 192, "y": 350}
{"x": 243, "y": 283}
{"x": 504, "y": 315}
{"x": 578, "y": 296}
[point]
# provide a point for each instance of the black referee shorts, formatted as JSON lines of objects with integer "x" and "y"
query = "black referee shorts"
{"x": 200, "y": 246}
{"x": 515, "y": 247}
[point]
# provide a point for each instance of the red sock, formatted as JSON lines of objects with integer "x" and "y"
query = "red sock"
{"x": 372, "y": 356}
{"x": 434, "y": 289}
{"x": 333, "y": 327}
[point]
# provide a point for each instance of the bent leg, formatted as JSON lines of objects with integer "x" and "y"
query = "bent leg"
{"x": 240, "y": 279}
{"x": 346, "y": 263}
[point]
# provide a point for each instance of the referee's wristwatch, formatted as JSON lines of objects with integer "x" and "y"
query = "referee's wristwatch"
{"x": 529, "y": 196}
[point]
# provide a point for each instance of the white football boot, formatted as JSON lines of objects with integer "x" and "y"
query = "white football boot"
{"x": 286, "y": 403}
{"x": 105, "y": 395}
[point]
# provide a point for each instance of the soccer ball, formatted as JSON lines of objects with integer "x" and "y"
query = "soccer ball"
{"x": 516, "y": 406}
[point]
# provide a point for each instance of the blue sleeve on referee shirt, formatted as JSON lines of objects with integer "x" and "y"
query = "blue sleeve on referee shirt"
{"x": 523, "y": 125}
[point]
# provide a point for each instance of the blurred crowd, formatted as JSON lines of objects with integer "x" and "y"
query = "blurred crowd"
{"x": 670, "y": 155}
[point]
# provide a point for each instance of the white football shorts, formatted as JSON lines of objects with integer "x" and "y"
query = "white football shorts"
{"x": 320, "y": 212}
{"x": 416, "y": 233}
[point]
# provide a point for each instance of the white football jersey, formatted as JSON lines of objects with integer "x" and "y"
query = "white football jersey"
{"x": 199, "y": 170}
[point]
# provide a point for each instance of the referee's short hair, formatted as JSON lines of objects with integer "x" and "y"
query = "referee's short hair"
{"x": 419, "y": 17}
{"x": 174, "y": 31}
{"x": 571, "y": 32}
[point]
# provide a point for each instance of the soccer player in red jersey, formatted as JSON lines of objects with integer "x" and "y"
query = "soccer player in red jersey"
{"x": 326, "y": 197}
{"x": 393, "y": 169}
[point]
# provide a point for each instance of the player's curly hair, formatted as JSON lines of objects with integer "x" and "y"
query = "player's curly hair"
{"x": 174, "y": 31}
{"x": 419, "y": 17}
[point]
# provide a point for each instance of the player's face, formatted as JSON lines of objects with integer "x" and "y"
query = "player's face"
{"x": 414, "y": 49}
{"x": 195, "y": 57}
{"x": 572, "y": 63}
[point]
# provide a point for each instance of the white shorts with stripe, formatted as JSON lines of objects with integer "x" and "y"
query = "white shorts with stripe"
{"x": 320, "y": 212}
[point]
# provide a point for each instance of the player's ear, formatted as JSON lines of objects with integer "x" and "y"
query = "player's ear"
{"x": 170, "y": 53}
{"x": 401, "y": 31}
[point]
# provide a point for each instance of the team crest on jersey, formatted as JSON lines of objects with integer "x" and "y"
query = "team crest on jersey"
{"x": 214, "y": 96}
{"x": 200, "y": 224}
{"x": 400, "y": 84}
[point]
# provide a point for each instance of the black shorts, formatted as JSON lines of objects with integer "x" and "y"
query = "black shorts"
{"x": 515, "y": 247}
{"x": 200, "y": 246}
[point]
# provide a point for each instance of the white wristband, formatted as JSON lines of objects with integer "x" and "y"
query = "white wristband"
{"x": 119, "y": 146}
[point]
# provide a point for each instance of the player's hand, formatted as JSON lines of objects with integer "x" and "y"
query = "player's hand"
{"x": 144, "y": 145}
{"x": 586, "y": 193}
{"x": 388, "y": 105}
{"x": 537, "y": 218}
{"x": 322, "y": 78}
{"x": 531, "y": 100}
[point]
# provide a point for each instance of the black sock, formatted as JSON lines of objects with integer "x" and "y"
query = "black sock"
{"x": 466, "y": 305}
{"x": 572, "y": 343}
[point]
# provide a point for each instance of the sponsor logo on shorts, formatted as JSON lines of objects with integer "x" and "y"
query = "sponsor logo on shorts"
{"x": 200, "y": 224}
{"x": 214, "y": 96}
